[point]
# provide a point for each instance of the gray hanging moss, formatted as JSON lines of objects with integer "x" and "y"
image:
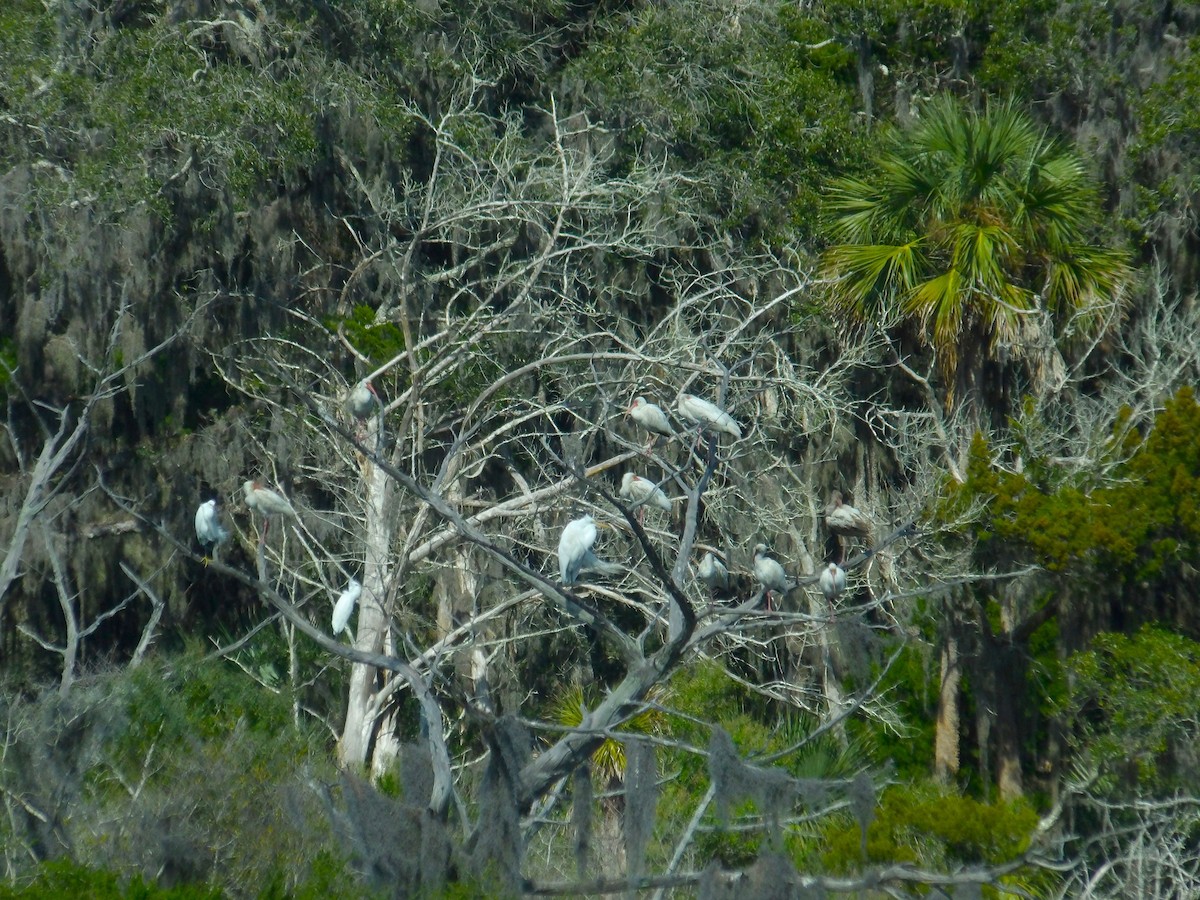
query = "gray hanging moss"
{"x": 496, "y": 848}
{"x": 581, "y": 817}
{"x": 416, "y": 774}
{"x": 641, "y": 803}
{"x": 734, "y": 780}
{"x": 862, "y": 804}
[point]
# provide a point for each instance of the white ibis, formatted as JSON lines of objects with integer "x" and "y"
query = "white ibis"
{"x": 770, "y": 573}
{"x": 575, "y": 550}
{"x": 832, "y": 581}
{"x": 364, "y": 401}
{"x": 345, "y": 606}
{"x": 707, "y": 415}
{"x": 641, "y": 491}
{"x": 713, "y": 573}
{"x": 846, "y": 521}
{"x": 650, "y": 416}
{"x": 209, "y": 530}
{"x": 268, "y": 503}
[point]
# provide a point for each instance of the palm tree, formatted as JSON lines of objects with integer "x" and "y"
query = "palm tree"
{"x": 973, "y": 225}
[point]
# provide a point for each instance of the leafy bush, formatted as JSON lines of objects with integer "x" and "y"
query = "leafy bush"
{"x": 63, "y": 878}
{"x": 1132, "y": 705}
{"x": 927, "y": 826}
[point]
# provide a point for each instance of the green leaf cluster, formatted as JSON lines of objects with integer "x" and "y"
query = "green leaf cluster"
{"x": 1143, "y": 524}
{"x": 921, "y": 824}
{"x": 61, "y": 878}
{"x": 244, "y": 107}
{"x": 1132, "y": 706}
{"x": 968, "y": 223}
{"x": 754, "y": 105}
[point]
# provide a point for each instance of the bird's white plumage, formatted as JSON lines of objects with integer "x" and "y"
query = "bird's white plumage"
{"x": 650, "y": 416}
{"x": 843, "y": 519}
{"x": 832, "y": 581}
{"x": 208, "y": 528}
{"x": 713, "y": 572}
{"x": 642, "y": 491}
{"x": 770, "y": 574}
{"x": 575, "y": 547}
{"x": 364, "y": 401}
{"x": 707, "y": 415}
{"x": 345, "y": 606}
{"x": 575, "y": 551}
{"x": 267, "y": 502}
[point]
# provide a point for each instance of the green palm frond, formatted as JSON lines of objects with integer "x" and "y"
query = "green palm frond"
{"x": 608, "y": 760}
{"x": 968, "y": 215}
{"x": 870, "y": 274}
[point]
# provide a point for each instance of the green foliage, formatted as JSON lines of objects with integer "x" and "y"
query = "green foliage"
{"x": 61, "y": 878}
{"x": 378, "y": 342}
{"x": 156, "y": 92}
{"x": 1037, "y": 44}
{"x": 187, "y": 767}
{"x": 913, "y": 686}
{"x": 8, "y": 365}
{"x": 758, "y": 120}
{"x": 926, "y": 826}
{"x": 1132, "y": 707}
{"x": 967, "y": 221}
{"x": 608, "y": 760}
{"x": 1144, "y": 525}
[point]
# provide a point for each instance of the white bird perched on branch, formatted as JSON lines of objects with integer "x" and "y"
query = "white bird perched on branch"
{"x": 364, "y": 401}
{"x": 713, "y": 573}
{"x": 707, "y": 415}
{"x": 268, "y": 503}
{"x": 845, "y": 521}
{"x": 643, "y": 492}
{"x": 575, "y": 550}
{"x": 345, "y": 606}
{"x": 832, "y": 581}
{"x": 209, "y": 530}
{"x": 770, "y": 573}
{"x": 650, "y": 416}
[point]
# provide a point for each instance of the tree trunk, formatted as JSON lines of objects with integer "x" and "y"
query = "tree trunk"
{"x": 945, "y": 748}
{"x": 1008, "y": 678}
{"x": 361, "y": 715}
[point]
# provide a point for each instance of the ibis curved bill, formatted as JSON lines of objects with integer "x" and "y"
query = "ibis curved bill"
{"x": 364, "y": 401}
{"x": 650, "y": 416}
{"x": 770, "y": 573}
{"x": 268, "y": 503}
{"x": 832, "y": 581}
